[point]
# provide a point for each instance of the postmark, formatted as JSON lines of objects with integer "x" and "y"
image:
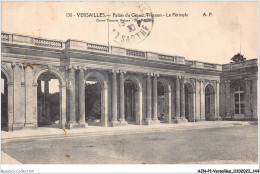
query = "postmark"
{"x": 132, "y": 24}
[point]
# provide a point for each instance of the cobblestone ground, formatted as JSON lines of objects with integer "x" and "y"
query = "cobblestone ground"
{"x": 237, "y": 144}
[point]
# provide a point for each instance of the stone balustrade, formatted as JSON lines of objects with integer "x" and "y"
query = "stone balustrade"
{"x": 135, "y": 53}
{"x": 48, "y": 43}
{"x": 204, "y": 65}
{"x": 29, "y": 40}
{"x": 235, "y": 65}
{"x": 97, "y": 47}
{"x": 81, "y": 45}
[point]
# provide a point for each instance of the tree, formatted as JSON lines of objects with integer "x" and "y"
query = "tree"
{"x": 238, "y": 58}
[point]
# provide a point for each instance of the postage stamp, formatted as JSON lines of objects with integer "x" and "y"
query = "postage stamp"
{"x": 131, "y": 25}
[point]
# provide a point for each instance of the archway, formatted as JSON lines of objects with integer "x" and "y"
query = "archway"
{"x": 4, "y": 102}
{"x": 133, "y": 99}
{"x": 164, "y": 100}
{"x": 93, "y": 101}
{"x": 161, "y": 106}
{"x": 96, "y": 113}
{"x": 209, "y": 102}
{"x": 130, "y": 102}
{"x": 189, "y": 107}
{"x": 48, "y": 100}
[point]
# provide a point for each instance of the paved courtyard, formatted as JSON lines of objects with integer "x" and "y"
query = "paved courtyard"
{"x": 234, "y": 144}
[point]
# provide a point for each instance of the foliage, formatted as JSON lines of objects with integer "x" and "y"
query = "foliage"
{"x": 93, "y": 101}
{"x": 238, "y": 58}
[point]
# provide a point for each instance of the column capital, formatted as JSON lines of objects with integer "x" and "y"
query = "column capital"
{"x": 217, "y": 81}
{"x": 200, "y": 80}
{"x": 10, "y": 83}
{"x": 153, "y": 74}
{"x": 81, "y": 68}
{"x": 122, "y": 71}
{"x": 71, "y": 68}
{"x": 227, "y": 81}
{"x": 14, "y": 64}
{"x": 156, "y": 74}
{"x": 149, "y": 74}
{"x": 46, "y": 79}
{"x": 115, "y": 71}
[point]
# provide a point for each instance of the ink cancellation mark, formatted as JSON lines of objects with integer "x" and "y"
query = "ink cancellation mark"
{"x": 134, "y": 26}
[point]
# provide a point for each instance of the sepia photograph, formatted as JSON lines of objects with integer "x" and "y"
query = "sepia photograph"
{"x": 130, "y": 82}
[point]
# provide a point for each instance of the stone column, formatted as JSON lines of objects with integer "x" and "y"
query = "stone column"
{"x": 222, "y": 100}
{"x": 138, "y": 104}
{"x": 39, "y": 88}
{"x": 254, "y": 98}
{"x": 63, "y": 107}
{"x": 177, "y": 103}
{"x": 46, "y": 101}
{"x": 40, "y": 103}
{"x": 217, "y": 117}
{"x": 182, "y": 99}
{"x": 197, "y": 100}
{"x": 155, "y": 104}
{"x": 17, "y": 90}
{"x": 168, "y": 105}
{"x": 122, "y": 98}
{"x": 228, "y": 107}
{"x": 72, "y": 100}
{"x": 81, "y": 87}
{"x": 202, "y": 100}
{"x": 194, "y": 106}
{"x": 114, "y": 121}
{"x": 247, "y": 99}
{"x": 104, "y": 105}
{"x": 30, "y": 121}
{"x": 10, "y": 101}
{"x": 148, "y": 100}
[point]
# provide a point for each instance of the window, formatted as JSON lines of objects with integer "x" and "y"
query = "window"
{"x": 239, "y": 100}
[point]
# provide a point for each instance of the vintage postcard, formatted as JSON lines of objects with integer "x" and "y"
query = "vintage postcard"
{"x": 130, "y": 83}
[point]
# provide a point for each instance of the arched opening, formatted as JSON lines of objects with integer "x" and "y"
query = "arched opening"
{"x": 188, "y": 101}
{"x": 209, "y": 102}
{"x": 93, "y": 101}
{"x": 4, "y": 102}
{"x": 239, "y": 100}
{"x": 130, "y": 101}
{"x": 161, "y": 105}
{"x": 48, "y": 100}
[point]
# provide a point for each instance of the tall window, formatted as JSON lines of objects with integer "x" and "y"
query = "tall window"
{"x": 239, "y": 100}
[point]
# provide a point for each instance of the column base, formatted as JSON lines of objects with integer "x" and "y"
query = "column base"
{"x": 218, "y": 119}
{"x": 192, "y": 120}
{"x": 254, "y": 118}
{"x": 156, "y": 121}
{"x": 180, "y": 120}
{"x": 114, "y": 123}
{"x": 82, "y": 124}
{"x": 30, "y": 125}
{"x": 71, "y": 125}
{"x": 123, "y": 122}
{"x": 150, "y": 121}
{"x": 17, "y": 126}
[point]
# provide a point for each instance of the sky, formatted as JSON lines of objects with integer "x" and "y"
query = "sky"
{"x": 212, "y": 39}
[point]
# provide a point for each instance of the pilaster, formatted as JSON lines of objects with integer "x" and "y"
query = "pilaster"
{"x": 148, "y": 119}
{"x": 114, "y": 120}
{"x": 30, "y": 120}
{"x": 122, "y": 98}
{"x": 81, "y": 97}
{"x": 18, "y": 119}
{"x": 155, "y": 100}
{"x": 71, "y": 88}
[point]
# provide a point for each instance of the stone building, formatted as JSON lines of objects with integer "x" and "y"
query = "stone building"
{"x": 128, "y": 79}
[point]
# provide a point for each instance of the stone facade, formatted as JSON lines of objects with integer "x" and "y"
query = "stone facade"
{"x": 192, "y": 90}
